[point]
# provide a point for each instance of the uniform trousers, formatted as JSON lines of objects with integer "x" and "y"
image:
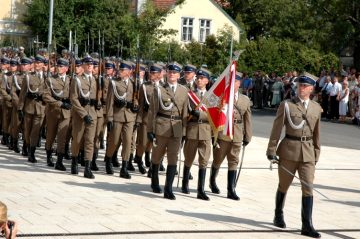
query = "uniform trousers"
{"x": 7, "y": 112}
{"x": 203, "y": 147}
{"x": 142, "y": 142}
{"x": 56, "y": 125}
{"x": 32, "y": 126}
{"x": 306, "y": 171}
{"x": 83, "y": 136}
{"x": 121, "y": 133}
{"x": 170, "y": 145}
{"x": 230, "y": 150}
{"x": 15, "y": 123}
{"x": 99, "y": 131}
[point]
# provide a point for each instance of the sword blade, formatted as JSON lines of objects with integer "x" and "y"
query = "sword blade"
{"x": 240, "y": 167}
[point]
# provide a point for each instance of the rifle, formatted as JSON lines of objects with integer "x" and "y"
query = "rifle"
{"x": 99, "y": 85}
{"x": 135, "y": 99}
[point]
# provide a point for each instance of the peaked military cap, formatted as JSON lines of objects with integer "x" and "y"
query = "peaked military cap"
{"x": 14, "y": 62}
{"x": 203, "y": 72}
{"x": 238, "y": 75}
{"x": 5, "y": 60}
{"x": 62, "y": 62}
{"x": 307, "y": 79}
{"x": 174, "y": 66}
{"x": 109, "y": 64}
{"x": 126, "y": 65}
{"x": 87, "y": 59}
{"x": 39, "y": 58}
{"x": 155, "y": 67}
{"x": 26, "y": 61}
{"x": 189, "y": 68}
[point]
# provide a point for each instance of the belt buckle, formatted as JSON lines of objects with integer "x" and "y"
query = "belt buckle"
{"x": 172, "y": 117}
{"x": 303, "y": 138}
{"x": 200, "y": 121}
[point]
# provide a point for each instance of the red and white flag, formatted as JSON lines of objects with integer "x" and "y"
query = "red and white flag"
{"x": 219, "y": 100}
{"x": 199, "y": 105}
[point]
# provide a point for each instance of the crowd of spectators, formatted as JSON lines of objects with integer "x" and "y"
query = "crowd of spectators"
{"x": 337, "y": 92}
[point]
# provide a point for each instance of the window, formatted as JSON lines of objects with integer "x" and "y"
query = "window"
{"x": 204, "y": 30}
{"x": 187, "y": 29}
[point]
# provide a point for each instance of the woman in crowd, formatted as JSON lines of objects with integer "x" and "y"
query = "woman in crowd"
{"x": 343, "y": 101}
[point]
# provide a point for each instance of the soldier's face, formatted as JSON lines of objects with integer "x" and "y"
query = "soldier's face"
{"x": 88, "y": 68}
{"x": 304, "y": 91}
{"x": 39, "y": 66}
{"x": 201, "y": 82}
{"x": 173, "y": 76}
{"x": 25, "y": 67}
{"x": 13, "y": 68}
{"x": 79, "y": 70}
{"x": 62, "y": 70}
{"x": 155, "y": 76}
{"x": 141, "y": 74}
{"x": 188, "y": 76}
{"x": 95, "y": 70}
{"x": 109, "y": 71}
{"x": 125, "y": 73}
{"x": 237, "y": 85}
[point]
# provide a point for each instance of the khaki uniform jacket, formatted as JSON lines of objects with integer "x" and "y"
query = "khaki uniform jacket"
{"x": 28, "y": 105}
{"x": 115, "y": 113}
{"x": 6, "y": 85}
{"x": 55, "y": 85}
{"x": 86, "y": 86}
{"x": 164, "y": 126}
{"x": 99, "y": 110}
{"x": 243, "y": 130}
{"x": 143, "y": 114}
{"x": 295, "y": 150}
{"x": 105, "y": 92}
{"x": 191, "y": 87}
{"x": 15, "y": 91}
{"x": 196, "y": 130}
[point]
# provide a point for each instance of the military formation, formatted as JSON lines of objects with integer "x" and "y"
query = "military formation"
{"x": 147, "y": 111}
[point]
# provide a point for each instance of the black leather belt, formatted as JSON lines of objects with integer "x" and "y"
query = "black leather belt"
{"x": 34, "y": 96}
{"x": 64, "y": 100}
{"x": 85, "y": 102}
{"x": 302, "y": 138}
{"x": 237, "y": 121}
{"x": 198, "y": 121}
{"x": 172, "y": 117}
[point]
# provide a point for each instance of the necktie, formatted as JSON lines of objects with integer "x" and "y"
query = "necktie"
{"x": 304, "y": 104}
{"x": 189, "y": 85}
{"x": 201, "y": 95}
{"x": 173, "y": 88}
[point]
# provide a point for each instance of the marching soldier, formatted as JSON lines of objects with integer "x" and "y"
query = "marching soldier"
{"x": 15, "y": 91}
{"x": 298, "y": 151}
{"x": 31, "y": 107}
{"x": 136, "y": 128}
{"x": 6, "y": 82}
{"x": 167, "y": 126}
{"x": 57, "y": 98}
{"x": 231, "y": 148}
{"x": 198, "y": 136}
{"x": 145, "y": 99}
{"x": 120, "y": 118}
{"x": 84, "y": 117}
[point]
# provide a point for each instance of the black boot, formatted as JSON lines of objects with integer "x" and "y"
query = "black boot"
{"x": 25, "y": 148}
{"x": 147, "y": 159}
{"x": 307, "y": 228}
{"x": 67, "y": 152}
{"x": 213, "y": 174}
{"x": 16, "y": 145}
{"x": 185, "y": 180}
{"x": 87, "y": 171}
{"x": 108, "y": 165}
{"x": 201, "y": 181}
{"x": 4, "y": 140}
{"x": 170, "y": 175}
{"x": 190, "y": 176}
{"x": 161, "y": 168}
{"x": 39, "y": 142}
{"x": 31, "y": 157}
{"x": 74, "y": 165}
{"x": 123, "y": 171}
{"x": 59, "y": 162}
{"x": 130, "y": 166}
{"x": 231, "y": 185}
{"x": 81, "y": 160}
{"x": 102, "y": 146}
{"x": 115, "y": 160}
{"x": 149, "y": 174}
{"x": 10, "y": 143}
{"x": 49, "y": 160}
{"x": 139, "y": 162}
{"x": 279, "y": 205}
{"x": 94, "y": 167}
{"x": 155, "y": 178}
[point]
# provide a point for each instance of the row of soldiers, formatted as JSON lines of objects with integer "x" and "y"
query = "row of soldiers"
{"x": 164, "y": 118}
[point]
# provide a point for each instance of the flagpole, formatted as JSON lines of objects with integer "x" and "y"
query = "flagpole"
{"x": 231, "y": 48}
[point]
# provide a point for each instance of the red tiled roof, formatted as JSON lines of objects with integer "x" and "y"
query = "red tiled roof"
{"x": 164, "y": 4}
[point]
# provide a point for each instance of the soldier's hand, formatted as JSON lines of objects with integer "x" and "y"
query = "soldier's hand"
{"x": 151, "y": 136}
{"x": 245, "y": 142}
{"x": 20, "y": 115}
{"x": 66, "y": 106}
{"x": 109, "y": 125}
{"x": 136, "y": 126}
{"x": 273, "y": 158}
{"x": 88, "y": 119}
{"x": 195, "y": 113}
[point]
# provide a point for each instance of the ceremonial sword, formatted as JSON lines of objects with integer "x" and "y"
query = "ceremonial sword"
{"x": 241, "y": 162}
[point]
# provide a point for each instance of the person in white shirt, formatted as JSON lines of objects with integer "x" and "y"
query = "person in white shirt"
{"x": 334, "y": 99}
{"x": 325, "y": 92}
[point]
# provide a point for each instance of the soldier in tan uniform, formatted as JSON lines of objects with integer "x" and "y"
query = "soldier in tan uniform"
{"x": 145, "y": 99}
{"x": 83, "y": 100}
{"x": 31, "y": 103}
{"x": 6, "y": 82}
{"x": 167, "y": 126}
{"x": 189, "y": 77}
{"x": 57, "y": 98}
{"x": 120, "y": 118}
{"x": 198, "y": 136}
{"x": 231, "y": 148}
{"x": 15, "y": 91}
{"x": 298, "y": 151}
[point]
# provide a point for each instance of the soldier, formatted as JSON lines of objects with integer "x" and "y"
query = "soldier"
{"x": 120, "y": 118}
{"x": 6, "y": 82}
{"x": 57, "y": 98}
{"x": 167, "y": 125}
{"x": 31, "y": 103}
{"x": 84, "y": 117}
{"x": 189, "y": 77}
{"x": 15, "y": 91}
{"x": 231, "y": 148}
{"x": 198, "y": 136}
{"x": 136, "y": 128}
{"x": 298, "y": 151}
{"x": 146, "y": 95}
